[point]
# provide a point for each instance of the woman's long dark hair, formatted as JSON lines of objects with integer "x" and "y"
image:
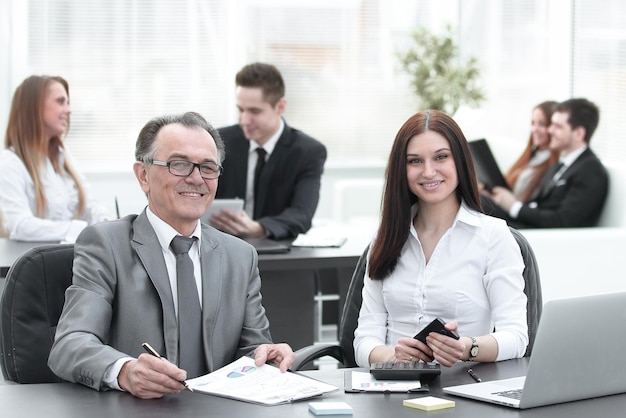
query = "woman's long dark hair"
{"x": 398, "y": 198}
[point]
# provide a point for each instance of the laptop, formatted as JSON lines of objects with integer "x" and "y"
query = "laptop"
{"x": 485, "y": 164}
{"x": 578, "y": 354}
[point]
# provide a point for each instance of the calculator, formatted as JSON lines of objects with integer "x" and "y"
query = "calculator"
{"x": 405, "y": 371}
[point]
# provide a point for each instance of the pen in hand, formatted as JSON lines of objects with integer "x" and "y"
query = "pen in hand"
{"x": 474, "y": 375}
{"x": 155, "y": 353}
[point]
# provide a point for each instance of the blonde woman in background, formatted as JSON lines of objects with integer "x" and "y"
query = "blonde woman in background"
{"x": 42, "y": 195}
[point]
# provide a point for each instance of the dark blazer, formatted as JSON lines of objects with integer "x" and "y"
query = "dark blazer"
{"x": 121, "y": 297}
{"x": 290, "y": 180}
{"x": 575, "y": 200}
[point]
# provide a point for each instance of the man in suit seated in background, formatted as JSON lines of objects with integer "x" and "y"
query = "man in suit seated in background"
{"x": 132, "y": 284}
{"x": 277, "y": 169}
{"x": 573, "y": 191}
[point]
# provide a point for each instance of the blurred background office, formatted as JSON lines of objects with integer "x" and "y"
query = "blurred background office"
{"x": 128, "y": 60}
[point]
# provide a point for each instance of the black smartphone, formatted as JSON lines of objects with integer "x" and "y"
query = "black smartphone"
{"x": 436, "y": 326}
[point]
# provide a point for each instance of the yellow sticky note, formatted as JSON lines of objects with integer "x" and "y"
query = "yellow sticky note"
{"x": 428, "y": 403}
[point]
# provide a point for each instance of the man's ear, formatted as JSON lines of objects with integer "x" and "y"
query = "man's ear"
{"x": 142, "y": 175}
{"x": 580, "y": 132}
{"x": 281, "y": 105}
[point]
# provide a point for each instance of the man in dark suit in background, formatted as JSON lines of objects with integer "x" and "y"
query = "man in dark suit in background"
{"x": 282, "y": 192}
{"x": 573, "y": 191}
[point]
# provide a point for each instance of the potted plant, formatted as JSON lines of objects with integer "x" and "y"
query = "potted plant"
{"x": 438, "y": 77}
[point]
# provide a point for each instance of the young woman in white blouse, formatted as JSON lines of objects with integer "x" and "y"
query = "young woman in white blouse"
{"x": 437, "y": 255}
{"x": 42, "y": 195}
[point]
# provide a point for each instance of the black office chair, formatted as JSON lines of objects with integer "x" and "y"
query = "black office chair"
{"x": 534, "y": 303}
{"x": 31, "y": 305}
{"x": 344, "y": 352}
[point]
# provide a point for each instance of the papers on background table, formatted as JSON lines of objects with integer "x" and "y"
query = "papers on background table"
{"x": 318, "y": 240}
{"x": 264, "y": 385}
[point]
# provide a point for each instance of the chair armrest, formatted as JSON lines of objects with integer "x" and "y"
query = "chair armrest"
{"x": 307, "y": 354}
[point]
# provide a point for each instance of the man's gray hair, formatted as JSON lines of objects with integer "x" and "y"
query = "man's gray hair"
{"x": 145, "y": 149}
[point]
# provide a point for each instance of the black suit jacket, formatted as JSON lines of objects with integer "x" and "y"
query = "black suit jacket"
{"x": 289, "y": 184}
{"x": 575, "y": 200}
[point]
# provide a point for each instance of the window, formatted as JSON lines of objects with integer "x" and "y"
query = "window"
{"x": 129, "y": 60}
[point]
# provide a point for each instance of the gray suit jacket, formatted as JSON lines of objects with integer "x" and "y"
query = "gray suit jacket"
{"x": 121, "y": 297}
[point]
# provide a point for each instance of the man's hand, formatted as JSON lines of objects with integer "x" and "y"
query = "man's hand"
{"x": 237, "y": 224}
{"x": 279, "y": 354}
{"x": 150, "y": 377}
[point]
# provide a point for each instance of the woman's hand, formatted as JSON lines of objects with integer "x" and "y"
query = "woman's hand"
{"x": 446, "y": 350}
{"x": 410, "y": 349}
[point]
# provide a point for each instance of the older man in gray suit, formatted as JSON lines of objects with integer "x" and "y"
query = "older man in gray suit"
{"x": 124, "y": 290}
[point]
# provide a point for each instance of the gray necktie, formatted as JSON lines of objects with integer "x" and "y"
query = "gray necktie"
{"x": 191, "y": 356}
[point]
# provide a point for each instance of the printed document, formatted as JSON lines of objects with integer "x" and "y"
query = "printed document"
{"x": 265, "y": 384}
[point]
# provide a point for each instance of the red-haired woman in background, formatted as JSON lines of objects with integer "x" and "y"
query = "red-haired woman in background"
{"x": 525, "y": 174}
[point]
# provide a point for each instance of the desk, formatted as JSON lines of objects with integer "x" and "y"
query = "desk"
{"x": 288, "y": 282}
{"x": 72, "y": 400}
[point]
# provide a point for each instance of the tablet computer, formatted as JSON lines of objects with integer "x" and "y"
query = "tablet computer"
{"x": 486, "y": 166}
{"x": 236, "y": 205}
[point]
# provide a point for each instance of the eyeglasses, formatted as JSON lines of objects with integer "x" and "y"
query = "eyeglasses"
{"x": 184, "y": 168}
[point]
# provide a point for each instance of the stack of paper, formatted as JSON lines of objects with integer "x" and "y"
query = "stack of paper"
{"x": 428, "y": 403}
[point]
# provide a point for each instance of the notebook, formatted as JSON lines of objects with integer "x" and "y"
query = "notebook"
{"x": 485, "y": 164}
{"x": 578, "y": 354}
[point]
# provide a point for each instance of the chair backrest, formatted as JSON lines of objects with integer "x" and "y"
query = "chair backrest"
{"x": 31, "y": 305}
{"x": 354, "y": 299}
{"x": 351, "y": 309}
{"x": 534, "y": 302}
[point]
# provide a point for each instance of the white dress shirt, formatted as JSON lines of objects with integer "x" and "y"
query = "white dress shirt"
{"x": 59, "y": 222}
{"x": 474, "y": 276}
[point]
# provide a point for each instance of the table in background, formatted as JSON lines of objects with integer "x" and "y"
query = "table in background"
{"x": 72, "y": 400}
{"x": 289, "y": 282}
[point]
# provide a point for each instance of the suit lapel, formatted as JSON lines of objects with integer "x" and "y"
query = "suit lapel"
{"x": 240, "y": 149}
{"x": 272, "y": 164}
{"x": 211, "y": 258}
{"x": 547, "y": 183}
{"x": 146, "y": 245}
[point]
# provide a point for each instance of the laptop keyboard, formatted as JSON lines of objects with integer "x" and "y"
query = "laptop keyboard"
{"x": 404, "y": 371}
{"x": 513, "y": 394}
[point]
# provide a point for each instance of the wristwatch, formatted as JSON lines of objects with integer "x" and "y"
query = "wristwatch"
{"x": 473, "y": 350}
